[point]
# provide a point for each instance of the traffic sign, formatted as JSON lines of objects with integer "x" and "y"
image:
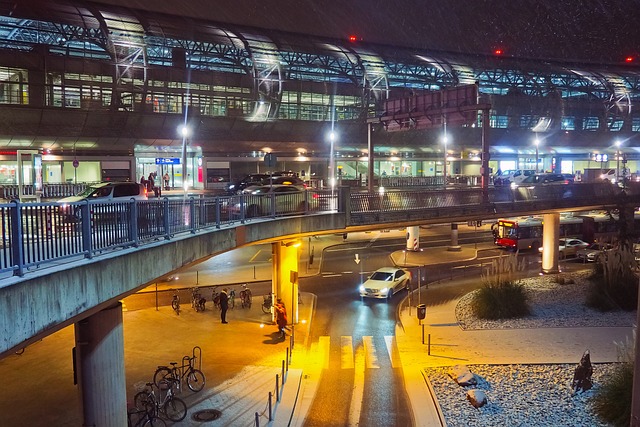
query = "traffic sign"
{"x": 270, "y": 159}
{"x": 75, "y": 163}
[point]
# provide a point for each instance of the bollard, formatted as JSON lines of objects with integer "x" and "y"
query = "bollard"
{"x": 284, "y": 379}
{"x": 288, "y": 359}
{"x": 422, "y": 333}
{"x": 429, "y": 345}
{"x": 277, "y": 388}
{"x": 270, "y": 404}
{"x": 257, "y": 419}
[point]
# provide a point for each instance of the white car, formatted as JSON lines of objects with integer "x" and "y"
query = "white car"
{"x": 569, "y": 247}
{"x": 385, "y": 282}
{"x": 593, "y": 251}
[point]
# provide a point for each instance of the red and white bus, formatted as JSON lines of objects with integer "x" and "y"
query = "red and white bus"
{"x": 526, "y": 232}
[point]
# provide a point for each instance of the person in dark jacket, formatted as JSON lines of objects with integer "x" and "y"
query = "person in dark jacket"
{"x": 224, "y": 305}
{"x": 281, "y": 317}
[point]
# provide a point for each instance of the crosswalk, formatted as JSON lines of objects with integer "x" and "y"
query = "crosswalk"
{"x": 367, "y": 351}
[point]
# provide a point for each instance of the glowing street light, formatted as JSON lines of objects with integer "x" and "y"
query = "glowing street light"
{"x": 537, "y": 143}
{"x": 618, "y": 143}
{"x": 445, "y": 139}
{"x": 332, "y": 166}
{"x": 185, "y": 132}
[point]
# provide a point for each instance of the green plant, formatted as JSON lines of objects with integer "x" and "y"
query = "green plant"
{"x": 614, "y": 283}
{"x": 501, "y": 296}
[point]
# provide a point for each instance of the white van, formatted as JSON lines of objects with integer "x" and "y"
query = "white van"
{"x": 108, "y": 191}
{"x": 513, "y": 176}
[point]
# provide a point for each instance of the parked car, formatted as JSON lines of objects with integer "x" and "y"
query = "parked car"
{"x": 592, "y": 252}
{"x": 103, "y": 192}
{"x": 278, "y": 199}
{"x": 545, "y": 179}
{"x": 515, "y": 176}
{"x": 385, "y": 282}
{"x": 258, "y": 179}
{"x": 568, "y": 247}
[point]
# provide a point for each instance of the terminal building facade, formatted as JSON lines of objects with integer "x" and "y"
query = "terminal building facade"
{"x": 103, "y": 93}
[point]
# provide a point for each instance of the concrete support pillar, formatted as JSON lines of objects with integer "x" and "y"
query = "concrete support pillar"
{"x": 550, "y": 236}
{"x": 413, "y": 238}
{"x": 286, "y": 260}
{"x": 454, "y": 238}
{"x": 99, "y": 365}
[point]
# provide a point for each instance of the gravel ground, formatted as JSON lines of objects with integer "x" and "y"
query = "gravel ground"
{"x": 530, "y": 395}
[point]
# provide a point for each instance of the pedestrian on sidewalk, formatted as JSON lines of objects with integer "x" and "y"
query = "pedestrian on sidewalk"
{"x": 224, "y": 305}
{"x": 281, "y": 317}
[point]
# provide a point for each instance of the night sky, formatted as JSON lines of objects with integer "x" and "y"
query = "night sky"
{"x": 601, "y": 31}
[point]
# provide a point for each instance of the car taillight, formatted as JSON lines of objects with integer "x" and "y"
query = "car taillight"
{"x": 316, "y": 196}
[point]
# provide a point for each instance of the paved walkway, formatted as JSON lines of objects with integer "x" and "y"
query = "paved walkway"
{"x": 241, "y": 359}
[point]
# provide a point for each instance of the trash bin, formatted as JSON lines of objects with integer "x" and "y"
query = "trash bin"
{"x": 422, "y": 311}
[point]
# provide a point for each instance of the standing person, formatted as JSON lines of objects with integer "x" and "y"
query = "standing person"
{"x": 224, "y": 305}
{"x": 166, "y": 179}
{"x": 281, "y": 317}
{"x": 150, "y": 182}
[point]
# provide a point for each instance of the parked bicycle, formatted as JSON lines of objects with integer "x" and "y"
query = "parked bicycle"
{"x": 198, "y": 302}
{"x": 215, "y": 297}
{"x": 186, "y": 372}
{"x": 144, "y": 417}
{"x": 267, "y": 303}
{"x": 163, "y": 403}
{"x": 232, "y": 298}
{"x": 175, "y": 302}
{"x": 245, "y": 297}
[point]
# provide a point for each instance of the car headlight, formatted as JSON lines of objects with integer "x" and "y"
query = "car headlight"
{"x": 384, "y": 290}
{"x": 514, "y": 185}
{"x": 361, "y": 288}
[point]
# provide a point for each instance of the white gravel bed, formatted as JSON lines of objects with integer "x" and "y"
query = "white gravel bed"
{"x": 552, "y": 306}
{"x": 519, "y": 395}
{"x": 530, "y": 395}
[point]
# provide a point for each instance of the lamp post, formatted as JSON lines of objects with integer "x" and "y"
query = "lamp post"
{"x": 537, "y": 143}
{"x": 618, "y": 160}
{"x": 185, "y": 132}
{"x": 444, "y": 167}
{"x": 332, "y": 166}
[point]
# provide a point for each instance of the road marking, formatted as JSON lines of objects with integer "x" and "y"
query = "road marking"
{"x": 346, "y": 352}
{"x": 370, "y": 358}
{"x": 392, "y": 350}
{"x": 332, "y": 275}
{"x": 254, "y": 257}
{"x": 357, "y": 394}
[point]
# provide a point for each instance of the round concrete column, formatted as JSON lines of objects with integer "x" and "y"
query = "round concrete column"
{"x": 550, "y": 236}
{"x": 413, "y": 238}
{"x": 100, "y": 368}
{"x": 454, "y": 238}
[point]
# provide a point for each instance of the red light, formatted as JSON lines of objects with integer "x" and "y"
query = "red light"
{"x": 498, "y": 52}
{"x": 628, "y": 59}
{"x": 352, "y": 38}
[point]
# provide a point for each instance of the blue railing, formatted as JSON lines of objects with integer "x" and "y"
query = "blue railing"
{"x": 37, "y": 235}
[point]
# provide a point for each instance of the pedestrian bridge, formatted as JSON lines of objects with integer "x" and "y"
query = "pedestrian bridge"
{"x": 60, "y": 264}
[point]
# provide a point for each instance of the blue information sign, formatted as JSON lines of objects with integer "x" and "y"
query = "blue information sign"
{"x": 167, "y": 160}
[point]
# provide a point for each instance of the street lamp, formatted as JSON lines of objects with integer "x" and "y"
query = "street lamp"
{"x": 332, "y": 181}
{"x": 444, "y": 167}
{"x": 618, "y": 160}
{"x": 537, "y": 143}
{"x": 185, "y": 132}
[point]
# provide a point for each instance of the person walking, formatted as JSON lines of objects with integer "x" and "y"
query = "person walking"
{"x": 165, "y": 179}
{"x": 281, "y": 317}
{"x": 224, "y": 305}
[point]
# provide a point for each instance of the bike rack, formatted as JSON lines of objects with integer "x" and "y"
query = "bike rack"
{"x": 197, "y": 356}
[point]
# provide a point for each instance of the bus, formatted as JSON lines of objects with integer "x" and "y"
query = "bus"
{"x": 524, "y": 233}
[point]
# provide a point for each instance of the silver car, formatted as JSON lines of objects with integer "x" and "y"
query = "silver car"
{"x": 385, "y": 282}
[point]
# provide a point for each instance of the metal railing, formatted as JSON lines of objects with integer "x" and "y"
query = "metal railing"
{"x": 38, "y": 235}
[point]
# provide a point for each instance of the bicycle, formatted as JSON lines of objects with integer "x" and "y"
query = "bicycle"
{"x": 198, "y": 302}
{"x": 245, "y": 297}
{"x": 232, "y": 298}
{"x": 172, "y": 407}
{"x": 145, "y": 417}
{"x": 194, "y": 377}
{"x": 267, "y": 303}
{"x": 215, "y": 297}
{"x": 175, "y": 303}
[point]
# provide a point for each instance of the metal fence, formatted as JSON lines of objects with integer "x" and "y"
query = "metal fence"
{"x": 37, "y": 235}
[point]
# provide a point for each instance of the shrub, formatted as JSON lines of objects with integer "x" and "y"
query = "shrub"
{"x": 614, "y": 281}
{"x": 501, "y": 297}
{"x": 612, "y": 401}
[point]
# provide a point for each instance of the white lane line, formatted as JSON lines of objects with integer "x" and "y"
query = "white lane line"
{"x": 357, "y": 393}
{"x": 346, "y": 352}
{"x": 331, "y": 275}
{"x": 392, "y": 350}
{"x": 370, "y": 358}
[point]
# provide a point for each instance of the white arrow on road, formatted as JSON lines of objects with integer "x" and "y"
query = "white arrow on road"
{"x": 357, "y": 259}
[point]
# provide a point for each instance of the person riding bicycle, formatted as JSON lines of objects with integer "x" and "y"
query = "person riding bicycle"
{"x": 281, "y": 317}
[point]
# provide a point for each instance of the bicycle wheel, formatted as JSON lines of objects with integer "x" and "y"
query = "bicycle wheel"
{"x": 144, "y": 402}
{"x": 232, "y": 303}
{"x": 175, "y": 409}
{"x": 161, "y": 374}
{"x": 195, "y": 380}
{"x": 175, "y": 304}
{"x": 266, "y": 307}
{"x": 155, "y": 422}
